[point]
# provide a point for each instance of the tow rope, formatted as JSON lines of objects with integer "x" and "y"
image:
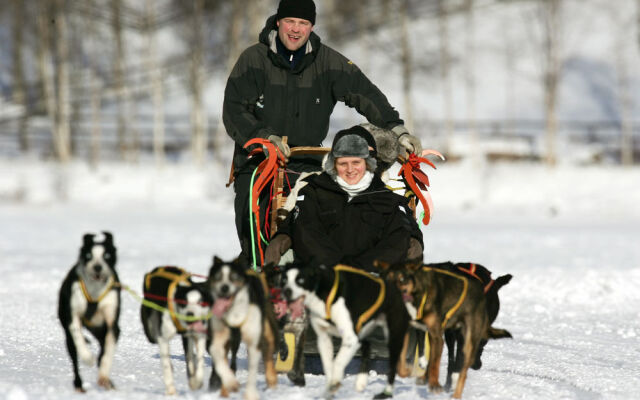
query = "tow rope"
{"x": 265, "y": 173}
{"x": 418, "y": 181}
{"x": 173, "y": 276}
{"x": 334, "y": 290}
{"x": 463, "y": 295}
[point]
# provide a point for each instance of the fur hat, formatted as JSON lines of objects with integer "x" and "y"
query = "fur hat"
{"x": 353, "y": 142}
{"x": 305, "y": 9}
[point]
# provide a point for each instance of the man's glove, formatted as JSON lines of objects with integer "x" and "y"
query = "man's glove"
{"x": 284, "y": 148}
{"x": 277, "y": 247}
{"x": 408, "y": 141}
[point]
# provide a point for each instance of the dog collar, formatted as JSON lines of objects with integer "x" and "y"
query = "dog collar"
{"x": 87, "y": 295}
{"x": 334, "y": 290}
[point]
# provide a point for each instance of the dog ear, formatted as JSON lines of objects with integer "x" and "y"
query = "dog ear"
{"x": 413, "y": 267}
{"x": 217, "y": 261}
{"x": 108, "y": 238}
{"x": 87, "y": 239}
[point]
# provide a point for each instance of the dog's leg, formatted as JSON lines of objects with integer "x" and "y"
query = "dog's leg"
{"x": 299, "y": 330}
{"x": 252, "y": 330}
{"x": 268, "y": 350}
{"x": 363, "y": 374}
{"x": 452, "y": 356}
{"x": 325, "y": 349}
{"x": 435, "y": 355}
{"x": 194, "y": 348}
{"x": 109, "y": 307}
{"x": 165, "y": 361}
{"x": 348, "y": 348}
{"x": 85, "y": 355}
{"x": 71, "y": 347}
{"x": 219, "y": 356}
{"x": 472, "y": 338}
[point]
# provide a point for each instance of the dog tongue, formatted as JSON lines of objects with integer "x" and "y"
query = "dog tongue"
{"x": 297, "y": 307}
{"x": 220, "y": 306}
{"x": 407, "y": 297}
{"x": 198, "y": 326}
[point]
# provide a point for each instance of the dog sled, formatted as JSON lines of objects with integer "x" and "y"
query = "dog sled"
{"x": 271, "y": 177}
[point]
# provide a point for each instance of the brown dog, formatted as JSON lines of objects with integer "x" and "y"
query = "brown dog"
{"x": 441, "y": 299}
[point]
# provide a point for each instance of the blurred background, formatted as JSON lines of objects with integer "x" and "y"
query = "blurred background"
{"x": 548, "y": 81}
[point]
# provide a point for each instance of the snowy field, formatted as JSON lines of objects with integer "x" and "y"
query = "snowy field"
{"x": 569, "y": 236}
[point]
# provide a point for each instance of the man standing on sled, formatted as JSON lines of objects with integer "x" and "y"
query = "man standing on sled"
{"x": 287, "y": 85}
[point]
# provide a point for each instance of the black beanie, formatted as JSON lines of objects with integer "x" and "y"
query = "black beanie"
{"x": 305, "y": 9}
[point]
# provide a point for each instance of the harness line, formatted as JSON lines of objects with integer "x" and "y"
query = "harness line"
{"x": 334, "y": 289}
{"x": 463, "y": 295}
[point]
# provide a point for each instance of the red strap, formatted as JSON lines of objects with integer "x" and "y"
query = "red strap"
{"x": 417, "y": 180}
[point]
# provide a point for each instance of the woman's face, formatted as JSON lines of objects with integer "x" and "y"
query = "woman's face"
{"x": 351, "y": 169}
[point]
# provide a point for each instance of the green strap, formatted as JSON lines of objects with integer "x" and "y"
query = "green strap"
{"x": 150, "y": 304}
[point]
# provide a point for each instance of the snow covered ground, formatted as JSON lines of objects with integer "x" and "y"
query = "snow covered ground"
{"x": 569, "y": 236}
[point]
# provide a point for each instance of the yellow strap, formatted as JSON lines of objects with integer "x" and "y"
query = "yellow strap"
{"x": 334, "y": 289}
{"x": 463, "y": 295}
{"x": 174, "y": 279}
{"x": 104, "y": 292}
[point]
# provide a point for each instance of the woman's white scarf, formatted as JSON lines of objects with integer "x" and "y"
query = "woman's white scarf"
{"x": 356, "y": 188}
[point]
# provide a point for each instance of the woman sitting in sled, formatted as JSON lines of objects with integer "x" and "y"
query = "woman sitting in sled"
{"x": 346, "y": 214}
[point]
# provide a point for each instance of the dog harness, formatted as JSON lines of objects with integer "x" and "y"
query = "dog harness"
{"x": 473, "y": 271}
{"x": 87, "y": 295}
{"x": 174, "y": 276}
{"x": 463, "y": 295}
{"x": 334, "y": 290}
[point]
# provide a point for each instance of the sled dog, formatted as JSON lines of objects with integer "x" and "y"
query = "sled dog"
{"x": 240, "y": 301}
{"x": 443, "y": 300}
{"x": 349, "y": 303}
{"x": 183, "y": 308}
{"x": 90, "y": 298}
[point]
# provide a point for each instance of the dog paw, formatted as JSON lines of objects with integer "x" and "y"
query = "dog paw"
{"x": 105, "y": 382}
{"x": 435, "y": 388}
{"x": 296, "y": 378}
{"x": 251, "y": 395}
{"x": 171, "y": 391}
{"x": 333, "y": 387}
{"x": 195, "y": 383}
{"x": 361, "y": 381}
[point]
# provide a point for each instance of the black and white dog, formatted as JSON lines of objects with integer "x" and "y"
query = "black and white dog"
{"x": 240, "y": 303}
{"x": 175, "y": 304}
{"x": 90, "y": 298}
{"x": 349, "y": 303}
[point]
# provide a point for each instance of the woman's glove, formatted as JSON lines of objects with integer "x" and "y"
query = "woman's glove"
{"x": 408, "y": 141}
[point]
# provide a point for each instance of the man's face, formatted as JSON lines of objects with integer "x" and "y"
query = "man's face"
{"x": 294, "y": 32}
{"x": 351, "y": 169}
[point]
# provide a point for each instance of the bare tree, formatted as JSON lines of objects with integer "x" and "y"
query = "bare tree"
{"x": 407, "y": 67}
{"x": 469, "y": 64}
{"x": 196, "y": 80}
{"x": 445, "y": 72}
{"x": 19, "y": 94}
{"x": 156, "y": 86}
{"x": 122, "y": 92}
{"x": 550, "y": 11}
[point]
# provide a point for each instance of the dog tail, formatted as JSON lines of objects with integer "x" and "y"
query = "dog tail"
{"x": 501, "y": 281}
{"x": 498, "y": 333}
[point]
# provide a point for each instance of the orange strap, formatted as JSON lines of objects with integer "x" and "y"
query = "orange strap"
{"x": 266, "y": 171}
{"x": 417, "y": 180}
